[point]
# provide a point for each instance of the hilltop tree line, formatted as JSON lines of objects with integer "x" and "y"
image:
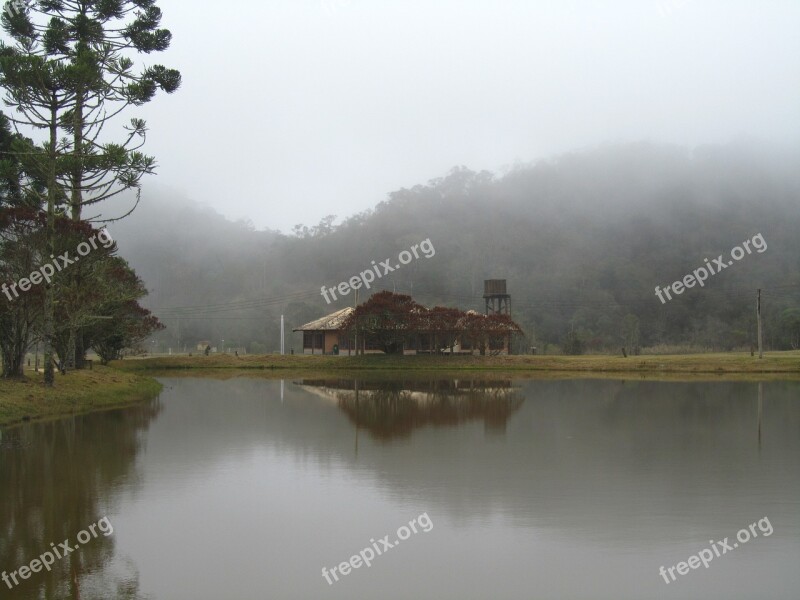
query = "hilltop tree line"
{"x": 66, "y": 73}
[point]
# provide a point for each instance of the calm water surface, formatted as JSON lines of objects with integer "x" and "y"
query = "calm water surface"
{"x": 247, "y": 488}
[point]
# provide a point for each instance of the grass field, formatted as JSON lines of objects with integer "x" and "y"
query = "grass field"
{"x": 722, "y": 363}
{"x": 77, "y": 392}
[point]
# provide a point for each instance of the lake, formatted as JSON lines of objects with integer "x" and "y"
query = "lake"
{"x": 247, "y": 488}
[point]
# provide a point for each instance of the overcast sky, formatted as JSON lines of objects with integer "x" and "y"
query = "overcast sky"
{"x": 295, "y": 109}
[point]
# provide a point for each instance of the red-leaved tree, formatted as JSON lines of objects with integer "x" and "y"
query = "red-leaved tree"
{"x": 486, "y": 331}
{"x": 388, "y": 319}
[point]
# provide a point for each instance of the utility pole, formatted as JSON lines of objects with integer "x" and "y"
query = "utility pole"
{"x": 283, "y": 345}
{"x": 758, "y": 316}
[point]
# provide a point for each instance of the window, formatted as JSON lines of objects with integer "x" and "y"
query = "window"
{"x": 497, "y": 343}
{"x": 312, "y": 339}
{"x": 345, "y": 342}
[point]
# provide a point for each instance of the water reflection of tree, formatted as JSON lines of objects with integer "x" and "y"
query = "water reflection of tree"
{"x": 55, "y": 480}
{"x": 394, "y": 409}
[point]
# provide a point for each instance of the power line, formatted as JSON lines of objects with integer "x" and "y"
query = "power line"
{"x": 547, "y": 300}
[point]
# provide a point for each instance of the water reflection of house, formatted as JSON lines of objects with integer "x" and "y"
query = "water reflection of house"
{"x": 395, "y": 409}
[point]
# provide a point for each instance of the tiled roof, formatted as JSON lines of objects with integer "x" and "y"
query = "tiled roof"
{"x": 334, "y": 321}
{"x": 331, "y": 322}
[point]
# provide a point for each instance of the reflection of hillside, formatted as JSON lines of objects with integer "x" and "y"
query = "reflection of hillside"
{"x": 394, "y": 409}
{"x": 56, "y": 479}
{"x": 574, "y": 442}
{"x": 580, "y": 458}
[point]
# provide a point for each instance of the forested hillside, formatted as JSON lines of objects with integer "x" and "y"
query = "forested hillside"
{"x": 583, "y": 240}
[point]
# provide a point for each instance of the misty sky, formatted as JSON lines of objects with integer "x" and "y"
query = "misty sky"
{"x": 295, "y": 109}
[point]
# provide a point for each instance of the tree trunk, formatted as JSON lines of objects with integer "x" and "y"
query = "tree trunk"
{"x": 49, "y": 309}
{"x": 77, "y": 350}
{"x": 13, "y": 363}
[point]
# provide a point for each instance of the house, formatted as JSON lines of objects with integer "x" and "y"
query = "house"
{"x": 327, "y": 336}
{"x": 324, "y": 336}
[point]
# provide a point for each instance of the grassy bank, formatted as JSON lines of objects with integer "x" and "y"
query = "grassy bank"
{"x": 722, "y": 363}
{"x": 77, "y": 392}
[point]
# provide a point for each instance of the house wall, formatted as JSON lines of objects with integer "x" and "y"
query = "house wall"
{"x": 331, "y": 338}
{"x": 477, "y": 351}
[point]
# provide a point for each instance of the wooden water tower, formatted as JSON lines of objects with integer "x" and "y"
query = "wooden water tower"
{"x": 498, "y": 302}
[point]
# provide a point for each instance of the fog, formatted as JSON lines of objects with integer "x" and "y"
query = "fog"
{"x": 588, "y": 153}
{"x": 582, "y": 240}
{"x": 291, "y": 111}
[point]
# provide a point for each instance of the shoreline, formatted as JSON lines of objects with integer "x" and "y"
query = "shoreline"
{"x": 79, "y": 392}
{"x": 131, "y": 381}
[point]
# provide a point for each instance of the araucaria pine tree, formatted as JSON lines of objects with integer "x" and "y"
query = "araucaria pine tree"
{"x": 70, "y": 72}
